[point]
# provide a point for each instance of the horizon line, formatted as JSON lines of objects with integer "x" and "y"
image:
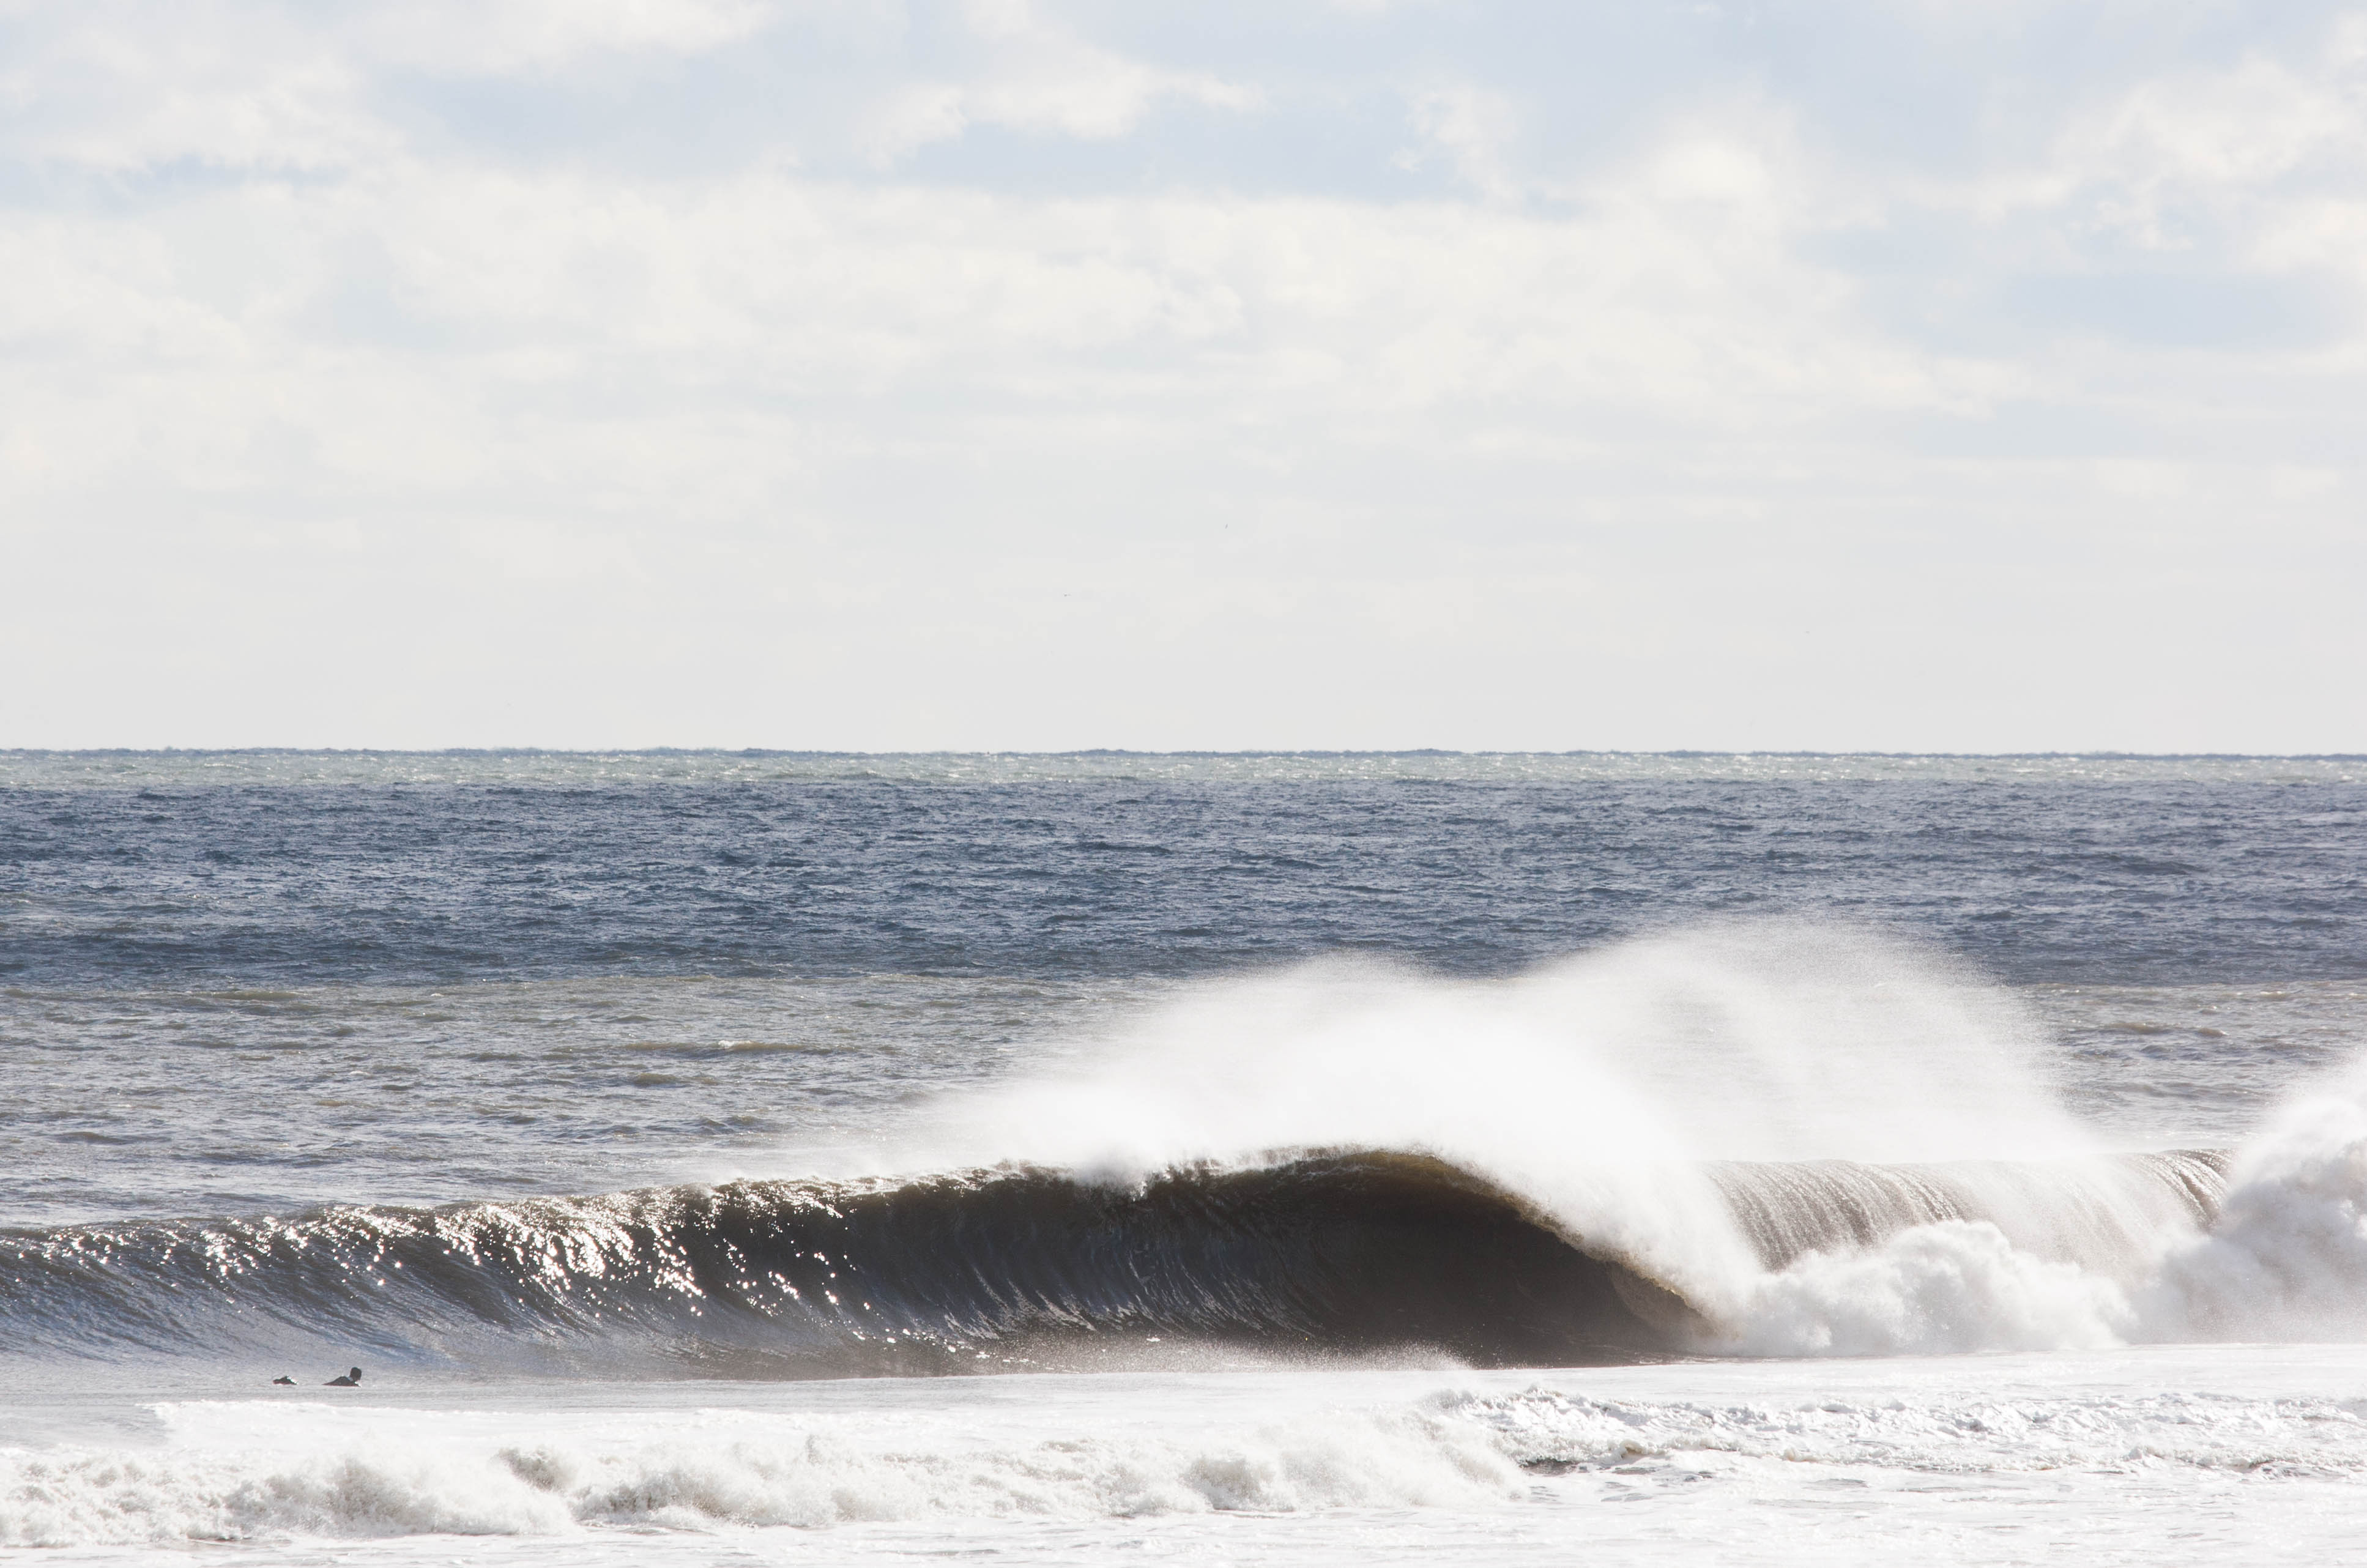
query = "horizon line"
{"x": 1686, "y": 752}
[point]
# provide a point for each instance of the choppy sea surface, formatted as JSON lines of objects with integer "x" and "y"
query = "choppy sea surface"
{"x": 1259, "y": 1158}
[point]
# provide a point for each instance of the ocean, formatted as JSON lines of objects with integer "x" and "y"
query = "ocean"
{"x": 751, "y": 1157}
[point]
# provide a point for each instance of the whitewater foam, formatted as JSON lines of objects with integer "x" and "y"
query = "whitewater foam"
{"x": 1078, "y": 1453}
{"x": 246, "y": 1471}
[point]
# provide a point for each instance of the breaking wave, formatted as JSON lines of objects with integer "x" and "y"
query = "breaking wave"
{"x": 1758, "y": 1140}
{"x": 1332, "y": 1251}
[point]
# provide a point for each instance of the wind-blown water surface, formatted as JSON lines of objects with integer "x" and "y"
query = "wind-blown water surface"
{"x": 1322, "y": 1114}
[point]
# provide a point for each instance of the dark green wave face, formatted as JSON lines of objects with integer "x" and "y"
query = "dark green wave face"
{"x": 1353, "y": 1253}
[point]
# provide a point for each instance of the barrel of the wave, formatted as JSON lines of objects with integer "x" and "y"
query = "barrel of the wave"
{"x": 1334, "y": 1253}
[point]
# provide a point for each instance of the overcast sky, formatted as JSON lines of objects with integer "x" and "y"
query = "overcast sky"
{"x": 1933, "y": 375}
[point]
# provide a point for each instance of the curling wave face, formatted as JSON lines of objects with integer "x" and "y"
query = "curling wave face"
{"x": 1354, "y": 1252}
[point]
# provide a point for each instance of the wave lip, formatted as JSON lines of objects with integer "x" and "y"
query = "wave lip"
{"x": 2090, "y": 1210}
{"x": 1335, "y": 1252}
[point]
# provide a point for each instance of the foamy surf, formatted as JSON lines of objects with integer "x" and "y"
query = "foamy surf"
{"x": 1178, "y": 1464}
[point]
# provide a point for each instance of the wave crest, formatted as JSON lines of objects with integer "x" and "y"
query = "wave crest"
{"x": 1344, "y": 1252}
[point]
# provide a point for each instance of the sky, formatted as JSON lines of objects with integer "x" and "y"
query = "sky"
{"x": 1938, "y": 376}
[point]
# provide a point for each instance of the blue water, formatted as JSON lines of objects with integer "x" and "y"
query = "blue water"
{"x": 2151, "y": 873}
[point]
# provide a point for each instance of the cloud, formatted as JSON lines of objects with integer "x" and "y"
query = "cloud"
{"x": 2217, "y": 162}
{"x": 929, "y": 344}
{"x": 1031, "y": 75}
{"x": 1476, "y": 129}
{"x": 121, "y": 86}
{"x": 117, "y": 87}
{"x": 483, "y": 300}
{"x": 505, "y": 36}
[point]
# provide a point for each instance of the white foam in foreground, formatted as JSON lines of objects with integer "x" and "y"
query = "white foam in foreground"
{"x": 2249, "y": 1453}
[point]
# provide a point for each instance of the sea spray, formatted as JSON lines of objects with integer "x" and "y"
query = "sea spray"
{"x": 1703, "y": 1109}
{"x": 2287, "y": 1257}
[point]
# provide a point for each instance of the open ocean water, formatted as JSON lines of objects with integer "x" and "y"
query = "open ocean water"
{"x": 761, "y": 1157}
